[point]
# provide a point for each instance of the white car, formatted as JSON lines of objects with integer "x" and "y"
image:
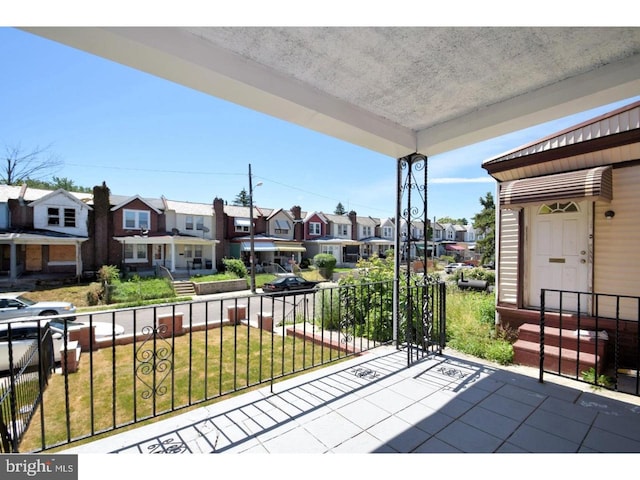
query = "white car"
{"x": 24, "y": 338}
{"x": 16, "y": 305}
{"x": 452, "y": 267}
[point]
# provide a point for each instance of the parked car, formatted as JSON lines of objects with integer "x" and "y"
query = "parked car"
{"x": 289, "y": 283}
{"x": 15, "y": 305}
{"x": 24, "y": 336}
{"x": 452, "y": 267}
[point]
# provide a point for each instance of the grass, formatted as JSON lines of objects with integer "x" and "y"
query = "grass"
{"x": 471, "y": 326}
{"x": 117, "y": 389}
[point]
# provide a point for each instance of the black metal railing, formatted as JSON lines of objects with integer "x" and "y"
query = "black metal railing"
{"x": 175, "y": 356}
{"x": 27, "y": 363}
{"x": 591, "y": 337}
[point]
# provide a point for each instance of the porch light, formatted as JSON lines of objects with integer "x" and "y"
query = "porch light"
{"x": 609, "y": 214}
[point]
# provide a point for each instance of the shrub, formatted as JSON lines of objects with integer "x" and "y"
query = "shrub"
{"x": 108, "y": 274}
{"x": 95, "y": 294}
{"x": 326, "y": 263}
{"x": 475, "y": 274}
{"x": 236, "y": 266}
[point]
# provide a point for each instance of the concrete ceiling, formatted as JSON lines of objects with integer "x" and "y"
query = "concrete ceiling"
{"x": 393, "y": 90}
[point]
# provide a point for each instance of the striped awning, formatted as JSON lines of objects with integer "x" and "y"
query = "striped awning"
{"x": 594, "y": 183}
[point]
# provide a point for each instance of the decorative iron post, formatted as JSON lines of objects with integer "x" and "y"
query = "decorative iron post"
{"x": 411, "y": 211}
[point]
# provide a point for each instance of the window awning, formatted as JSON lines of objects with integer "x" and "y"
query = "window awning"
{"x": 259, "y": 247}
{"x": 241, "y": 222}
{"x": 454, "y": 247}
{"x": 290, "y": 248}
{"x": 594, "y": 183}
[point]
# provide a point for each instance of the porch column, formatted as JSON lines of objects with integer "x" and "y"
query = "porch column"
{"x": 78, "y": 259}
{"x": 13, "y": 262}
{"x": 411, "y": 207}
{"x": 173, "y": 256}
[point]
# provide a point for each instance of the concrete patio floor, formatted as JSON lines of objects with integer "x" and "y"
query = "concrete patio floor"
{"x": 374, "y": 403}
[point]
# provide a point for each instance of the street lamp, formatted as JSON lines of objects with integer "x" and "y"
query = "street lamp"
{"x": 252, "y": 266}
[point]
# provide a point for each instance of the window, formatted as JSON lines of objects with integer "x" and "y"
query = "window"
{"x": 282, "y": 227}
{"x": 314, "y": 228}
{"x": 241, "y": 224}
{"x": 387, "y": 232}
{"x": 133, "y": 253}
{"x": 188, "y": 251}
{"x": 199, "y": 223}
{"x": 366, "y": 231}
{"x": 188, "y": 223}
{"x": 69, "y": 217}
{"x": 136, "y": 220}
{"x": 53, "y": 216}
{"x": 343, "y": 230}
{"x": 197, "y": 251}
{"x": 558, "y": 207}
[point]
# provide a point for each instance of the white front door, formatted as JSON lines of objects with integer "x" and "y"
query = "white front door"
{"x": 559, "y": 245}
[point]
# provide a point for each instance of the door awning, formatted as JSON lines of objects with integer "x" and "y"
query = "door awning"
{"x": 594, "y": 183}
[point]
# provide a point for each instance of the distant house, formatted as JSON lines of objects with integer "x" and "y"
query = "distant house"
{"x": 42, "y": 231}
{"x": 376, "y": 237}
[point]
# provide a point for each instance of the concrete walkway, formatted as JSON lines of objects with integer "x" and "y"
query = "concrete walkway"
{"x": 374, "y": 403}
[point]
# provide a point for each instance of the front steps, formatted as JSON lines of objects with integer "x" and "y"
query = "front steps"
{"x": 184, "y": 288}
{"x": 565, "y": 352}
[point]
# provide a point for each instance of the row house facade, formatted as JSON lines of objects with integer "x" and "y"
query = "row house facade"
{"x": 74, "y": 234}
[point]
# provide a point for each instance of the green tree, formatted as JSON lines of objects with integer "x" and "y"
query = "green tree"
{"x": 455, "y": 221}
{"x": 242, "y": 199}
{"x": 485, "y": 223}
{"x": 340, "y": 209}
{"x": 56, "y": 183}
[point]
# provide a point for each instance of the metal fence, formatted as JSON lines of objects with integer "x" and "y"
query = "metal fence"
{"x": 27, "y": 357}
{"x": 175, "y": 356}
{"x": 591, "y": 337}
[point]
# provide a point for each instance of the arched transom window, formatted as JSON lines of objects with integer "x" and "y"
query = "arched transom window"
{"x": 557, "y": 207}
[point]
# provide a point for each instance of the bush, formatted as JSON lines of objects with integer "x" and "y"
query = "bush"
{"x": 236, "y": 266}
{"x": 475, "y": 274}
{"x": 108, "y": 274}
{"x": 326, "y": 263}
{"x": 95, "y": 294}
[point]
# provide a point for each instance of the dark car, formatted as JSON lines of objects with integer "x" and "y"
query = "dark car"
{"x": 289, "y": 283}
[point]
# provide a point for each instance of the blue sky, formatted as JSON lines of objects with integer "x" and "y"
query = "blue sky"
{"x": 147, "y": 136}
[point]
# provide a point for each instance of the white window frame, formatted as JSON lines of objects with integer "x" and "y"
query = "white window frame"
{"x": 188, "y": 222}
{"x": 53, "y": 216}
{"x": 138, "y": 220}
{"x": 387, "y": 232}
{"x": 69, "y": 217}
{"x": 366, "y": 231}
{"x": 138, "y": 252}
{"x": 315, "y": 228}
{"x": 199, "y": 222}
{"x": 343, "y": 230}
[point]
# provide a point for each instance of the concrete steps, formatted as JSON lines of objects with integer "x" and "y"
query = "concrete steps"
{"x": 184, "y": 288}
{"x": 565, "y": 351}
